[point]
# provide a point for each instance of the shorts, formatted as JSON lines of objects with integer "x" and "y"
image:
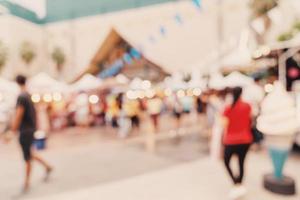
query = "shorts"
{"x": 154, "y": 118}
{"x": 177, "y": 114}
{"x": 26, "y": 141}
{"x": 135, "y": 121}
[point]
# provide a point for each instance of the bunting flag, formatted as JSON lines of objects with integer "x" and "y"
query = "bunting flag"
{"x": 135, "y": 53}
{"x": 178, "y": 19}
{"x": 197, "y": 3}
{"x": 152, "y": 39}
{"x": 163, "y": 30}
{"x": 113, "y": 70}
{"x": 127, "y": 58}
{"x": 141, "y": 49}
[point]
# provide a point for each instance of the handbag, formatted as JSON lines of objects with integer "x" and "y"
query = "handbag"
{"x": 257, "y": 135}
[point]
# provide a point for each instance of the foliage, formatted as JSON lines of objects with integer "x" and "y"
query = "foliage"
{"x": 285, "y": 36}
{"x": 187, "y": 77}
{"x": 58, "y": 56}
{"x": 296, "y": 26}
{"x": 290, "y": 34}
{"x": 27, "y": 52}
{"x": 262, "y": 7}
{"x": 3, "y": 55}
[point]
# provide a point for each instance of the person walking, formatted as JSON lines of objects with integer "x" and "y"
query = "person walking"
{"x": 25, "y": 122}
{"x": 154, "y": 107}
{"x": 177, "y": 112}
{"x": 237, "y": 138}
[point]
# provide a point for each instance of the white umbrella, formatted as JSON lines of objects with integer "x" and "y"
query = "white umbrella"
{"x": 43, "y": 83}
{"x": 7, "y": 86}
{"x": 236, "y": 79}
{"x": 217, "y": 81}
{"x": 86, "y": 83}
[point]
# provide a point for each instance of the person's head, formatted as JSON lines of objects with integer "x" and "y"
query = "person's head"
{"x": 21, "y": 80}
{"x": 236, "y": 93}
{"x": 257, "y": 79}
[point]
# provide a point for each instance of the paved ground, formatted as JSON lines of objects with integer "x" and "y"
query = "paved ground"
{"x": 202, "y": 179}
{"x": 97, "y": 163}
{"x": 87, "y": 157}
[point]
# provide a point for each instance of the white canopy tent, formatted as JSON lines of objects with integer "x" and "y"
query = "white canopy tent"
{"x": 176, "y": 82}
{"x": 7, "y": 86}
{"x": 8, "y": 93}
{"x": 216, "y": 81}
{"x": 86, "y": 83}
{"x": 238, "y": 59}
{"x": 236, "y": 79}
{"x": 43, "y": 83}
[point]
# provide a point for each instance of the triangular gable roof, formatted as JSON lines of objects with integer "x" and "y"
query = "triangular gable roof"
{"x": 111, "y": 41}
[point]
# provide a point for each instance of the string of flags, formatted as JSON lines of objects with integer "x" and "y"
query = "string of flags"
{"x": 197, "y": 3}
{"x": 135, "y": 54}
{"x": 178, "y": 18}
{"x": 119, "y": 64}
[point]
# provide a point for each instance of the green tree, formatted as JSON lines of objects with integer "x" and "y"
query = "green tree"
{"x": 58, "y": 56}
{"x": 285, "y": 36}
{"x": 260, "y": 9}
{"x": 290, "y": 34}
{"x": 3, "y": 55}
{"x": 27, "y": 52}
{"x": 187, "y": 77}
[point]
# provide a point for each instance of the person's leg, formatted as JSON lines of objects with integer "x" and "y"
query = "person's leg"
{"x": 132, "y": 122}
{"x": 30, "y": 156}
{"x": 135, "y": 122}
{"x": 41, "y": 161}
{"x": 25, "y": 143}
{"x": 138, "y": 122}
{"x": 228, "y": 153}
{"x": 47, "y": 166}
{"x": 178, "y": 120}
{"x": 27, "y": 175}
{"x": 242, "y": 153}
{"x": 155, "y": 122}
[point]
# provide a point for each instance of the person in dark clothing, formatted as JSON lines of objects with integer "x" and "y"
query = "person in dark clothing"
{"x": 25, "y": 122}
{"x": 237, "y": 138}
{"x": 200, "y": 105}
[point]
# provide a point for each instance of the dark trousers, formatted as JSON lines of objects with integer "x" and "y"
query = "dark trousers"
{"x": 241, "y": 152}
{"x": 26, "y": 141}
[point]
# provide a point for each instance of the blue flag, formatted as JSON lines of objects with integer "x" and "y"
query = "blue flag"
{"x": 163, "y": 30}
{"x": 127, "y": 58}
{"x": 152, "y": 39}
{"x": 113, "y": 70}
{"x": 178, "y": 19}
{"x": 135, "y": 53}
{"x": 197, "y": 3}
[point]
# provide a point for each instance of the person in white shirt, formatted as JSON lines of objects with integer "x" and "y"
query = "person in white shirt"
{"x": 254, "y": 94}
{"x": 154, "y": 107}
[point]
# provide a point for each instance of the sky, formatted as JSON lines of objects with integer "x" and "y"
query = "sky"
{"x": 38, "y": 6}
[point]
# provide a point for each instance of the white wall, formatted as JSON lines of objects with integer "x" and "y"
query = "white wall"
{"x": 13, "y": 33}
{"x": 179, "y": 50}
{"x": 184, "y": 47}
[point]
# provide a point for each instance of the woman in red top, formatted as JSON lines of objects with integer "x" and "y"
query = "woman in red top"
{"x": 237, "y": 135}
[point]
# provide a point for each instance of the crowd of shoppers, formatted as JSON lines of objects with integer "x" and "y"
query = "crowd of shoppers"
{"x": 230, "y": 117}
